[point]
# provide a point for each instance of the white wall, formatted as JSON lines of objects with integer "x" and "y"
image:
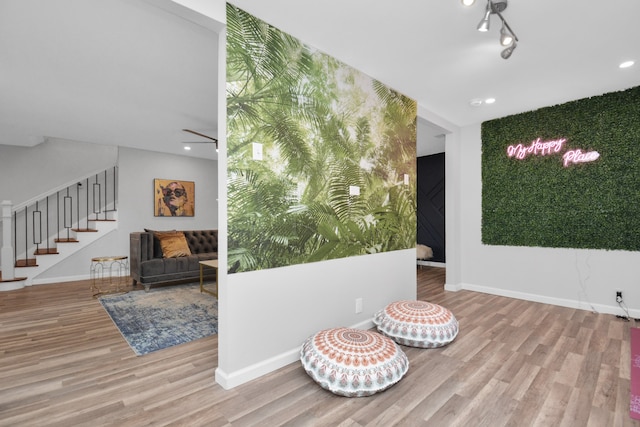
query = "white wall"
{"x": 577, "y": 278}
{"x": 265, "y": 316}
{"x": 64, "y": 162}
{"x": 137, "y": 170}
{"x": 31, "y": 171}
{"x": 270, "y": 313}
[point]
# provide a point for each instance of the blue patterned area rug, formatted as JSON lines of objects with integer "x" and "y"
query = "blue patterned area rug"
{"x": 163, "y": 317}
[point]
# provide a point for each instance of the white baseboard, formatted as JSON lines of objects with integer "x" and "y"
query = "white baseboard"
{"x": 47, "y": 281}
{"x": 580, "y": 305}
{"x": 12, "y": 285}
{"x": 452, "y": 288}
{"x": 431, "y": 263}
{"x": 229, "y": 380}
{"x": 42, "y": 281}
{"x": 241, "y": 376}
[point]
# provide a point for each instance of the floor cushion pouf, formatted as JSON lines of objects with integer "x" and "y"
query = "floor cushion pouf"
{"x": 417, "y": 324}
{"x": 423, "y": 252}
{"x": 353, "y": 362}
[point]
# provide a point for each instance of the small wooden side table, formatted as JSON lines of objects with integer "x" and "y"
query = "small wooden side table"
{"x": 108, "y": 271}
{"x": 211, "y": 264}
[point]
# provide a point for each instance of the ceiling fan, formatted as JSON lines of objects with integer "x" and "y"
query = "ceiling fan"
{"x": 211, "y": 139}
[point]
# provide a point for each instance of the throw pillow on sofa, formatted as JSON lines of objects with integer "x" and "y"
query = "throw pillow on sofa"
{"x": 157, "y": 249}
{"x": 173, "y": 244}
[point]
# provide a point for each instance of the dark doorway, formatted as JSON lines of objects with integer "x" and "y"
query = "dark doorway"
{"x": 430, "y": 214}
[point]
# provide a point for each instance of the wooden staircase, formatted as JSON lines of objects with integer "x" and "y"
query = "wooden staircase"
{"x": 42, "y": 262}
{"x": 51, "y": 228}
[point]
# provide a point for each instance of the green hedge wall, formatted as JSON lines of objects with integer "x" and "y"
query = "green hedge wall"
{"x": 537, "y": 201}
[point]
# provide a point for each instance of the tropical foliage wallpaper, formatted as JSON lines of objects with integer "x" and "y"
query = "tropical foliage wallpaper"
{"x": 321, "y": 158}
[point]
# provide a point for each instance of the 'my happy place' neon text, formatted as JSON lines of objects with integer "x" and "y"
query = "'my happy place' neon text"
{"x": 538, "y": 147}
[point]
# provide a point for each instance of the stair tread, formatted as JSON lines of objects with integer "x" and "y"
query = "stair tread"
{"x": 84, "y": 230}
{"x": 15, "y": 279}
{"x": 29, "y": 262}
{"x": 67, "y": 240}
{"x": 48, "y": 251}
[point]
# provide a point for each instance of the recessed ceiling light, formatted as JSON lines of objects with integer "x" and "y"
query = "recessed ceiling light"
{"x": 489, "y": 100}
{"x": 468, "y": 2}
{"x": 186, "y": 147}
{"x": 475, "y": 102}
{"x": 626, "y": 64}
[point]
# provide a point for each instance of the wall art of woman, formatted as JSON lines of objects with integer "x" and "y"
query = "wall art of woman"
{"x": 174, "y": 198}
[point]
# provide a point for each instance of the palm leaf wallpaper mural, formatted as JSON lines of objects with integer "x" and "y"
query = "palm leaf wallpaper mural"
{"x": 321, "y": 158}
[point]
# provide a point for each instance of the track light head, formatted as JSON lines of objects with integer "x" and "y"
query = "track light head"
{"x": 508, "y": 51}
{"x": 506, "y": 38}
{"x": 483, "y": 26}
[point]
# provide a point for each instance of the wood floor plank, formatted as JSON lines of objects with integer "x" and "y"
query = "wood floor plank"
{"x": 552, "y": 410}
{"x": 514, "y": 363}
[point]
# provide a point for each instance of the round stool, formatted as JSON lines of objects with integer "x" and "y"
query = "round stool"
{"x": 417, "y": 324}
{"x": 353, "y": 362}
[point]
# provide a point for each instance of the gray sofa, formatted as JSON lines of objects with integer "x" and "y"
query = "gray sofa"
{"x": 148, "y": 266}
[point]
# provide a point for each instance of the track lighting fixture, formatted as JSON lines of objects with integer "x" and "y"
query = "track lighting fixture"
{"x": 508, "y": 51}
{"x": 507, "y": 36}
{"x": 483, "y": 26}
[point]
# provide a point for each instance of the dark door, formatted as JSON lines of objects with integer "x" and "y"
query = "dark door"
{"x": 431, "y": 204}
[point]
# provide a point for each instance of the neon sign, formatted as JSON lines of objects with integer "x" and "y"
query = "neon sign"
{"x": 538, "y": 147}
{"x": 577, "y": 156}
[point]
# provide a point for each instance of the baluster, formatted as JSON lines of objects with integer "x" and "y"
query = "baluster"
{"x": 58, "y": 216}
{"x": 115, "y": 187}
{"x": 47, "y": 227}
{"x": 77, "y": 207}
{"x": 15, "y": 237}
{"x": 105, "y": 194}
{"x": 86, "y": 196}
{"x": 97, "y": 197}
{"x": 36, "y": 217}
{"x": 67, "y": 204}
{"x": 26, "y": 236}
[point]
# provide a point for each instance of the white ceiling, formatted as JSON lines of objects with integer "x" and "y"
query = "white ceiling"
{"x": 123, "y": 72}
{"x": 136, "y": 72}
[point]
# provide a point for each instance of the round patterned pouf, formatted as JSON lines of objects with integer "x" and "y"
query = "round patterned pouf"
{"x": 353, "y": 362}
{"x": 417, "y": 324}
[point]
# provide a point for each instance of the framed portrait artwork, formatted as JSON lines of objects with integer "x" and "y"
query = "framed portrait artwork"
{"x": 173, "y": 197}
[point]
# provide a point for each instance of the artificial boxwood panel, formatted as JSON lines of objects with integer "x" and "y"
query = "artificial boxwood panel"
{"x": 537, "y": 201}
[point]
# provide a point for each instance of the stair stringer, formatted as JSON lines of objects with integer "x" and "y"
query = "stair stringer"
{"x": 65, "y": 250}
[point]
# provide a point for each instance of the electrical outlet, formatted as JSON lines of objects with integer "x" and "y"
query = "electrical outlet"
{"x": 358, "y": 305}
{"x": 618, "y": 296}
{"x": 257, "y": 151}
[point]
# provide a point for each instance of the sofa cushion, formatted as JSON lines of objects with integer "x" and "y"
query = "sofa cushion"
{"x": 157, "y": 249}
{"x": 152, "y": 267}
{"x": 202, "y": 241}
{"x": 173, "y": 244}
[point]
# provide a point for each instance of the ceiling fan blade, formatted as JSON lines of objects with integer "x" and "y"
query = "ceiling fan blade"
{"x": 201, "y": 134}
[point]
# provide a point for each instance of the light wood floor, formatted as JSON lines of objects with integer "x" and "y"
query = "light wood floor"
{"x": 514, "y": 363}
